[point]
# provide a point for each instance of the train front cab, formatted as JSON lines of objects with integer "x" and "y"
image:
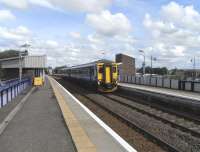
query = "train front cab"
{"x": 107, "y": 77}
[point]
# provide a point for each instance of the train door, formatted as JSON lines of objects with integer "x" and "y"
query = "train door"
{"x": 107, "y": 74}
{"x": 104, "y": 73}
{"x": 114, "y": 72}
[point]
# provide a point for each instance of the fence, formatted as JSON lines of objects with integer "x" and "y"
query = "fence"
{"x": 11, "y": 89}
{"x": 162, "y": 82}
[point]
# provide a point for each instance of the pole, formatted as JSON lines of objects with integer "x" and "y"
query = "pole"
{"x": 20, "y": 67}
{"x": 144, "y": 66}
{"x": 194, "y": 68}
{"x": 151, "y": 65}
{"x": 143, "y": 53}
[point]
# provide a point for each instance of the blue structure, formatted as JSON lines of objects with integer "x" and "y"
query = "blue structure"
{"x": 11, "y": 88}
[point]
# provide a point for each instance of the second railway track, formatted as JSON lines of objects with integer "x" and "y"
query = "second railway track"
{"x": 166, "y": 133}
{"x": 184, "y": 125}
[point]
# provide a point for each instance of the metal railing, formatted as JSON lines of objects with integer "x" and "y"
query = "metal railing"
{"x": 162, "y": 82}
{"x": 11, "y": 88}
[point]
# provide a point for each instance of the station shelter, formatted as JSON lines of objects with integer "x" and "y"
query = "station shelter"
{"x": 26, "y": 66}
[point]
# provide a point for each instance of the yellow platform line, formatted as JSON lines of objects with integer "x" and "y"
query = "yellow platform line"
{"x": 79, "y": 136}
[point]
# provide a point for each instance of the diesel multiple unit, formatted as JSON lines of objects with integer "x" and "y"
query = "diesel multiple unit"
{"x": 102, "y": 74}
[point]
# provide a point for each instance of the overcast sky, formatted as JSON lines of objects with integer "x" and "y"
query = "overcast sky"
{"x": 76, "y": 31}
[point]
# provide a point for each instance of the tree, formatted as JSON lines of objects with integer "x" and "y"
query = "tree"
{"x": 9, "y": 53}
{"x": 159, "y": 71}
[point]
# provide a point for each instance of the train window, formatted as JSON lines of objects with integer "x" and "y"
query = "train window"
{"x": 114, "y": 69}
{"x": 100, "y": 69}
{"x": 92, "y": 71}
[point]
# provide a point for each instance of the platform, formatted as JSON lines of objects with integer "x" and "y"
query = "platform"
{"x": 170, "y": 92}
{"x": 51, "y": 119}
{"x": 88, "y": 131}
{"x": 38, "y": 126}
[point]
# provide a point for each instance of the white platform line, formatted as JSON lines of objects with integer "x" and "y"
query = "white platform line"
{"x": 120, "y": 140}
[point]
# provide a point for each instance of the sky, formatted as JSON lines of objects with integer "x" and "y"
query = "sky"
{"x": 72, "y": 32}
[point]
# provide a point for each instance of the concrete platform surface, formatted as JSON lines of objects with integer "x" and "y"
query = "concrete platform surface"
{"x": 38, "y": 126}
{"x": 165, "y": 91}
{"x": 100, "y": 135}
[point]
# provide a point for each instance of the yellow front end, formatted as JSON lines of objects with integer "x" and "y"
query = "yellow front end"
{"x": 107, "y": 77}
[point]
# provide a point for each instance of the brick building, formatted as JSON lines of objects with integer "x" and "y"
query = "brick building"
{"x": 128, "y": 64}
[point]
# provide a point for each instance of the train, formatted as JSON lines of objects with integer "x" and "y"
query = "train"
{"x": 101, "y": 74}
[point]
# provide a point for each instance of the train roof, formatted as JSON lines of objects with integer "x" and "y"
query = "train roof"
{"x": 89, "y": 64}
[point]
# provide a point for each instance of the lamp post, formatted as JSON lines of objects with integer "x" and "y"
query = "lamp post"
{"x": 20, "y": 59}
{"x": 143, "y": 64}
{"x": 20, "y": 67}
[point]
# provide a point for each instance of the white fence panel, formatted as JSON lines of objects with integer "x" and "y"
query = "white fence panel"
{"x": 174, "y": 84}
{"x": 147, "y": 80}
{"x": 137, "y": 80}
{"x": 153, "y": 81}
{"x": 188, "y": 86}
{"x": 197, "y": 87}
{"x": 129, "y": 79}
{"x": 125, "y": 78}
{"x": 142, "y": 80}
{"x": 133, "y": 79}
{"x": 159, "y": 82}
{"x": 167, "y": 83}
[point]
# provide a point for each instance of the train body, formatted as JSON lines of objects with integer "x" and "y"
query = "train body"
{"x": 102, "y": 74}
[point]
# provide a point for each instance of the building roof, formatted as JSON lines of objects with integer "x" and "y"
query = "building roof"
{"x": 7, "y": 59}
{"x": 26, "y": 62}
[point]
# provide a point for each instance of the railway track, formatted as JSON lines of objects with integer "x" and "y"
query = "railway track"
{"x": 142, "y": 110}
{"x": 185, "y": 115}
{"x": 145, "y": 132}
{"x": 184, "y": 125}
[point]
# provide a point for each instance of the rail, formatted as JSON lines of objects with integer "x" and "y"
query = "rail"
{"x": 11, "y": 89}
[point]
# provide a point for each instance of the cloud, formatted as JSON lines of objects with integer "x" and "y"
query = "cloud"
{"x": 6, "y": 15}
{"x": 109, "y": 24}
{"x": 51, "y": 44}
{"x": 20, "y": 4}
{"x": 42, "y": 3}
{"x": 75, "y": 35}
{"x": 19, "y": 33}
{"x": 69, "y": 5}
{"x": 183, "y": 16}
{"x": 175, "y": 33}
{"x": 80, "y": 5}
{"x": 71, "y": 52}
